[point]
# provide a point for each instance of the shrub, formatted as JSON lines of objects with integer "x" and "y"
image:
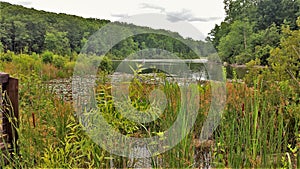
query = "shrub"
{"x": 105, "y": 64}
{"x": 47, "y": 57}
{"x": 7, "y": 56}
{"x": 59, "y": 61}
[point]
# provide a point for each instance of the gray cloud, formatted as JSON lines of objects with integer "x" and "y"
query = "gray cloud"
{"x": 199, "y": 19}
{"x": 186, "y": 15}
{"x": 183, "y": 15}
{"x": 119, "y": 15}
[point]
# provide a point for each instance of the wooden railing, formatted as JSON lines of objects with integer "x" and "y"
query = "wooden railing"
{"x": 9, "y": 113}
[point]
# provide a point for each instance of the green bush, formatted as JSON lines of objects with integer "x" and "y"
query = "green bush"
{"x": 27, "y": 63}
{"x": 105, "y": 64}
{"x": 59, "y": 61}
{"x": 7, "y": 57}
{"x": 47, "y": 57}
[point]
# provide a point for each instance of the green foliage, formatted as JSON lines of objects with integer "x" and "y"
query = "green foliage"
{"x": 256, "y": 127}
{"x": 57, "y": 42}
{"x": 217, "y": 33}
{"x": 1, "y": 47}
{"x": 105, "y": 65}
{"x": 7, "y": 57}
{"x": 49, "y": 135}
{"x": 258, "y": 31}
{"x": 240, "y": 9}
{"x": 59, "y": 61}
{"x": 260, "y": 124}
{"x": 285, "y": 59}
{"x": 74, "y": 150}
{"x": 264, "y": 41}
{"x": 47, "y": 57}
{"x": 257, "y": 122}
{"x": 254, "y": 72}
{"x": 27, "y": 30}
{"x": 27, "y": 63}
{"x": 39, "y": 30}
{"x": 263, "y": 53}
{"x": 114, "y": 118}
{"x": 277, "y": 11}
{"x": 236, "y": 43}
{"x": 69, "y": 67}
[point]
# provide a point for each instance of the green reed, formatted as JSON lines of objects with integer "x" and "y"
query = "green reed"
{"x": 256, "y": 128}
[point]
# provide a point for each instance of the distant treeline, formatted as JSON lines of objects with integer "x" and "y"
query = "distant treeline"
{"x": 25, "y": 30}
{"x": 253, "y": 28}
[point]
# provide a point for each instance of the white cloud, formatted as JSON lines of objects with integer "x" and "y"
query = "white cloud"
{"x": 25, "y": 3}
{"x": 152, "y": 6}
{"x": 177, "y": 16}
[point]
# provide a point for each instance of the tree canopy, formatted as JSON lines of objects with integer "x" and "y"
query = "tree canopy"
{"x": 252, "y": 28}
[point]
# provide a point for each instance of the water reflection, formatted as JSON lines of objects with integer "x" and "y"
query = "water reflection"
{"x": 197, "y": 67}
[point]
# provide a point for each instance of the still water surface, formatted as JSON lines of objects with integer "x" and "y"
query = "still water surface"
{"x": 196, "y": 68}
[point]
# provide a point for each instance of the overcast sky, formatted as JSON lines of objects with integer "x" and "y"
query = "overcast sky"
{"x": 202, "y": 14}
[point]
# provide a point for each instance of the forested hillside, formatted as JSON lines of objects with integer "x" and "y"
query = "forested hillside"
{"x": 253, "y": 28}
{"x": 26, "y": 30}
{"x": 29, "y": 30}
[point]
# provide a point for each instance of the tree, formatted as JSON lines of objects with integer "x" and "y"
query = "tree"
{"x": 264, "y": 41}
{"x": 235, "y": 47}
{"x": 14, "y": 36}
{"x": 240, "y": 9}
{"x": 57, "y": 42}
{"x": 276, "y": 11}
{"x": 126, "y": 47}
{"x": 217, "y": 33}
{"x": 1, "y": 47}
{"x": 285, "y": 59}
{"x": 29, "y": 30}
{"x": 36, "y": 36}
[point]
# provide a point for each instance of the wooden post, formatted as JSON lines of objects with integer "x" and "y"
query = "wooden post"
{"x": 12, "y": 91}
{"x": 11, "y": 86}
{"x": 3, "y": 77}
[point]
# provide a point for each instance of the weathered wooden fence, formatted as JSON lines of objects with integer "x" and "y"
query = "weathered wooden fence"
{"x": 9, "y": 114}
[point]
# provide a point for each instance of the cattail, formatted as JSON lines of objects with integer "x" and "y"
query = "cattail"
{"x": 33, "y": 119}
{"x": 243, "y": 110}
{"x": 243, "y": 107}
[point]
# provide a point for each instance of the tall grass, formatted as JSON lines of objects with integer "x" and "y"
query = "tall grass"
{"x": 256, "y": 128}
{"x": 182, "y": 154}
{"x": 259, "y": 127}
